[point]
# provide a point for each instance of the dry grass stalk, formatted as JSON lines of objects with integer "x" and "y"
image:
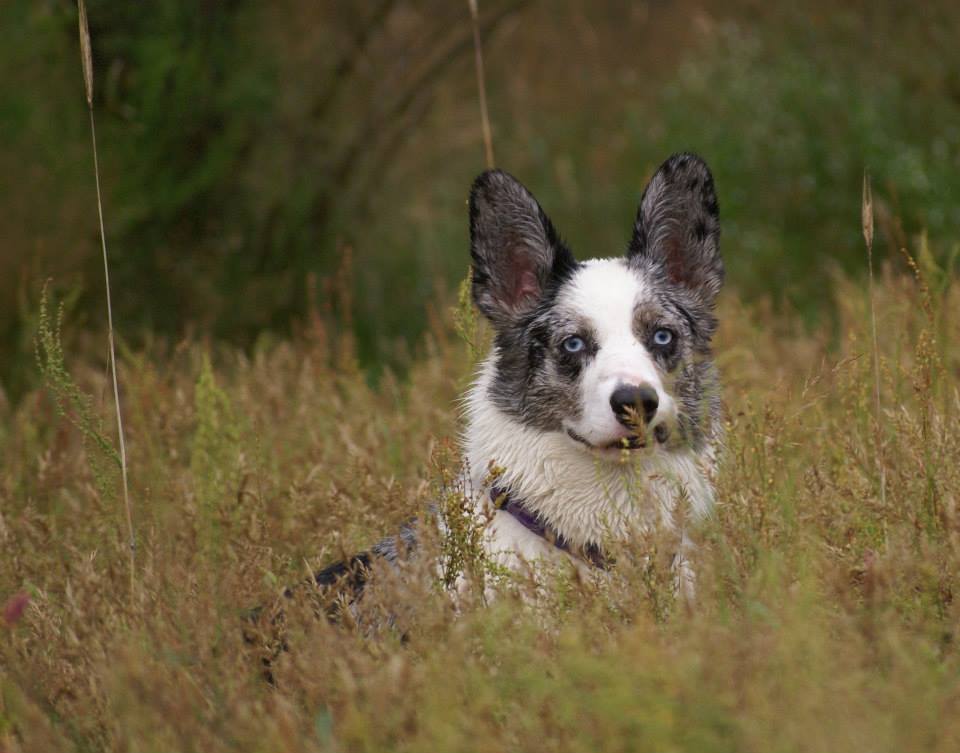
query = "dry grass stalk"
{"x": 87, "y": 61}
{"x": 866, "y": 219}
{"x": 481, "y": 84}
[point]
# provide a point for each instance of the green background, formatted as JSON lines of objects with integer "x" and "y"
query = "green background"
{"x": 260, "y": 160}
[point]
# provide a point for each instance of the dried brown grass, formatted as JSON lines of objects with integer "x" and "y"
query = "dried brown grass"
{"x": 826, "y": 617}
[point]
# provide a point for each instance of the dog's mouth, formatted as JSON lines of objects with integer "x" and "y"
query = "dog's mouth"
{"x": 631, "y": 442}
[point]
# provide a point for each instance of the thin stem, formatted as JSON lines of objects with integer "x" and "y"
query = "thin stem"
{"x": 867, "y": 221}
{"x": 481, "y": 84}
{"x": 86, "y": 60}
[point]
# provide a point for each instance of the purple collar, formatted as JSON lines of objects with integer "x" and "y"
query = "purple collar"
{"x": 503, "y": 500}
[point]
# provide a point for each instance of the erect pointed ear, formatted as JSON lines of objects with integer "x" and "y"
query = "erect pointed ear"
{"x": 517, "y": 255}
{"x": 678, "y": 226}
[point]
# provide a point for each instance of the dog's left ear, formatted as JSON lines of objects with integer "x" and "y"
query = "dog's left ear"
{"x": 678, "y": 226}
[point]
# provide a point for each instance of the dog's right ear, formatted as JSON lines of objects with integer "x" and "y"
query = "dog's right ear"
{"x": 678, "y": 226}
{"x": 517, "y": 255}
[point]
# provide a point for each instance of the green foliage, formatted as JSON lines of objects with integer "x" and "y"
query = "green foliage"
{"x": 788, "y": 135}
{"x": 183, "y": 107}
{"x": 71, "y": 401}
{"x": 467, "y": 324}
{"x": 789, "y": 107}
{"x": 215, "y": 454}
{"x": 245, "y": 146}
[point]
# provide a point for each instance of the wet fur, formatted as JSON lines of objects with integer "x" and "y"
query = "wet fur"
{"x": 529, "y": 390}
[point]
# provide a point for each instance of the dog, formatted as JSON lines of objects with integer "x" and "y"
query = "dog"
{"x": 597, "y": 411}
{"x": 596, "y": 415}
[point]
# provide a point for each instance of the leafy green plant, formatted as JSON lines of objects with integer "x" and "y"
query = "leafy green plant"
{"x": 71, "y": 402}
{"x": 214, "y": 454}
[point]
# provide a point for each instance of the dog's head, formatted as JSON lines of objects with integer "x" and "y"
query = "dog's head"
{"x": 611, "y": 352}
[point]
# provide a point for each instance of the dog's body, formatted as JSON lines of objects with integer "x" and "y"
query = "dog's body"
{"x": 597, "y": 411}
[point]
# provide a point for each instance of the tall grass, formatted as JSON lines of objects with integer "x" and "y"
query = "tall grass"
{"x": 826, "y": 617}
{"x": 86, "y": 60}
{"x": 866, "y": 221}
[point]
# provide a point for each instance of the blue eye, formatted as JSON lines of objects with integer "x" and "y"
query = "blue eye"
{"x": 662, "y": 337}
{"x": 573, "y": 344}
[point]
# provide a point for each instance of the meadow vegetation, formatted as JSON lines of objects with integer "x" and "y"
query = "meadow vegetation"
{"x": 826, "y": 616}
{"x": 284, "y": 188}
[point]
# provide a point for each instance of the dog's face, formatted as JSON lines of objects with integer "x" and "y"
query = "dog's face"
{"x": 614, "y": 353}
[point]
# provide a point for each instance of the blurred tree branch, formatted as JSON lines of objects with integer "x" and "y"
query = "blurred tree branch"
{"x": 347, "y": 64}
{"x": 387, "y": 126}
{"x": 358, "y": 123}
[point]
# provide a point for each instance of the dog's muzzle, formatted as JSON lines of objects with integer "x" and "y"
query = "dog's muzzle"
{"x": 633, "y": 442}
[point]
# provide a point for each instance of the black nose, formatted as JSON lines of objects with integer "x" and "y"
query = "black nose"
{"x": 630, "y": 402}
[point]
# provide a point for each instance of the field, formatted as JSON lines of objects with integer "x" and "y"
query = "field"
{"x": 284, "y": 187}
{"x": 826, "y": 618}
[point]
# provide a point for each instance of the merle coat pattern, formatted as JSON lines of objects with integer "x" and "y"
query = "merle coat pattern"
{"x": 577, "y": 345}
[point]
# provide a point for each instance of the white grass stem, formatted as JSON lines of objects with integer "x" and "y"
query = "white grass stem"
{"x": 867, "y": 223}
{"x": 87, "y": 60}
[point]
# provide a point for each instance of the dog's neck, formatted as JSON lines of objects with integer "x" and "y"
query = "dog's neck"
{"x": 585, "y": 498}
